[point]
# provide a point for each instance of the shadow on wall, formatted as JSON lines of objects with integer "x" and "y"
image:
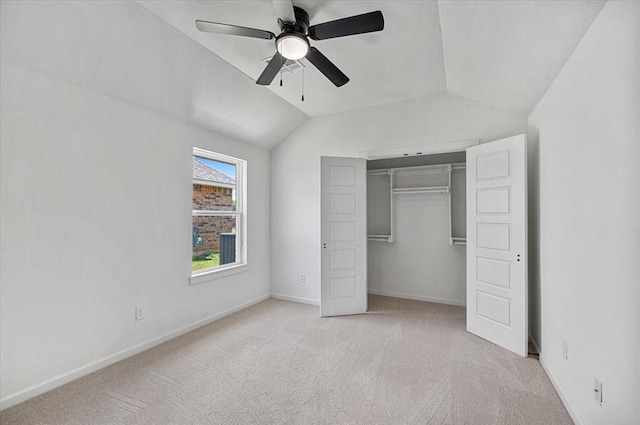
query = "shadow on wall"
{"x": 533, "y": 193}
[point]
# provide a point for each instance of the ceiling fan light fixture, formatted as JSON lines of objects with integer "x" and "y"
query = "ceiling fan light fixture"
{"x": 292, "y": 46}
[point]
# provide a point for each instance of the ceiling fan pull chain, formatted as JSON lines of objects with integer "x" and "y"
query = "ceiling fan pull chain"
{"x": 303, "y": 83}
{"x": 281, "y": 65}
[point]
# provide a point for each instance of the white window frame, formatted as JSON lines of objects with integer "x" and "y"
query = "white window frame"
{"x": 241, "y": 264}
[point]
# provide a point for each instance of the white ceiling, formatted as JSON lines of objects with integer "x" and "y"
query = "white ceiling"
{"x": 402, "y": 62}
{"x": 119, "y": 49}
{"x": 501, "y": 53}
{"x": 507, "y": 53}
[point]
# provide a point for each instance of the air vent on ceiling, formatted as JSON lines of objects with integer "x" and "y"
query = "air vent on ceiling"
{"x": 289, "y": 66}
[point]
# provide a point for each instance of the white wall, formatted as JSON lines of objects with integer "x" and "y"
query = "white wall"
{"x": 96, "y": 220}
{"x": 421, "y": 264}
{"x": 422, "y": 238}
{"x": 295, "y": 164}
{"x": 585, "y": 140}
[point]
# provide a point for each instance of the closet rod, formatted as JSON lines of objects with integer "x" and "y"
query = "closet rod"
{"x": 432, "y": 189}
{"x": 383, "y": 172}
{"x": 458, "y": 241}
{"x": 443, "y": 167}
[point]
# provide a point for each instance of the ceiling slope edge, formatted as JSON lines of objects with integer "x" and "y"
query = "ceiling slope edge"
{"x": 506, "y": 54}
{"x": 386, "y": 118}
{"x": 516, "y": 112}
{"x": 575, "y": 47}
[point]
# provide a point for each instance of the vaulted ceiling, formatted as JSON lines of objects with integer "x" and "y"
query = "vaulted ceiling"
{"x": 500, "y": 53}
{"x": 149, "y": 53}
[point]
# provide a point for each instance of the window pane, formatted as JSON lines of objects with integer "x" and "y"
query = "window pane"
{"x": 213, "y": 242}
{"x": 214, "y": 185}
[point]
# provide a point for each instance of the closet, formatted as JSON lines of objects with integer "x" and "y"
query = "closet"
{"x": 448, "y": 228}
{"x": 416, "y": 227}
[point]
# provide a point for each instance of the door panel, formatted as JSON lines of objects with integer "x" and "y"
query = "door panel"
{"x": 494, "y": 200}
{"x": 493, "y": 165}
{"x": 342, "y": 259}
{"x": 493, "y": 272}
{"x": 343, "y": 287}
{"x": 493, "y": 307}
{"x": 342, "y": 232}
{"x": 342, "y": 203}
{"x": 344, "y": 236}
{"x": 497, "y": 243}
{"x": 493, "y": 236}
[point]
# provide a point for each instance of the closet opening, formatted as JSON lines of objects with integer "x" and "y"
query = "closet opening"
{"x": 416, "y": 227}
{"x": 427, "y": 240}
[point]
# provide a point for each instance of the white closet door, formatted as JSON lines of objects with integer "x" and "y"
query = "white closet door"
{"x": 344, "y": 236}
{"x": 497, "y": 243}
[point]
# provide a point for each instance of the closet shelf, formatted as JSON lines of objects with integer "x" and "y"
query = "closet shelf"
{"x": 383, "y": 172}
{"x": 458, "y": 241}
{"x": 379, "y": 238}
{"x": 427, "y": 189}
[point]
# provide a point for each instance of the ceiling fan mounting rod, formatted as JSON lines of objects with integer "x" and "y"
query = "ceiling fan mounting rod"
{"x": 301, "y": 25}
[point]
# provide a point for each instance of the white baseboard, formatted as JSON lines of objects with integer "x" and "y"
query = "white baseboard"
{"x": 38, "y": 389}
{"x": 295, "y": 299}
{"x": 374, "y": 292}
{"x": 417, "y": 297}
{"x": 563, "y": 397}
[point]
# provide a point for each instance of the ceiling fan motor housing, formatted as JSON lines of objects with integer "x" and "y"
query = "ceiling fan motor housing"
{"x": 292, "y": 42}
{"x": 301, "y": 25}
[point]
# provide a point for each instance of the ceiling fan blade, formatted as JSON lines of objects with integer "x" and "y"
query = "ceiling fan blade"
{"x": 284, "y": 10}
{"x": 359, "y": 24}
{"x": 271, "y": 70}
{"x": 327, "y": 67}
{"x": 228, "y": 29}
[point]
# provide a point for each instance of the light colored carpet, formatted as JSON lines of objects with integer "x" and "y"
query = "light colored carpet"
{"x": 404, "y": 362}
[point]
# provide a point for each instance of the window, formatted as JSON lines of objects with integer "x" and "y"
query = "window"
{"x": 218, "y": 215}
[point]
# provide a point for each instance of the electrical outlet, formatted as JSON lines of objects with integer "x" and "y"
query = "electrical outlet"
{"x": 597, "y": 390}
{"x": 565, "y": 349}
{"x": 303, "y": 278}
{"x": 139, "y": 315}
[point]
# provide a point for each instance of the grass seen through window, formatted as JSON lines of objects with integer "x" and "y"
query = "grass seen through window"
{"x": 205, "y": 261}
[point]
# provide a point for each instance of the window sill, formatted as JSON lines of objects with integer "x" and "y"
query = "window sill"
{"x": 220, "y": 273}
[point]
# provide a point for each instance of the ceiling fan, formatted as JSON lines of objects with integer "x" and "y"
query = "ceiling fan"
{"x": 293, "y": 40}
